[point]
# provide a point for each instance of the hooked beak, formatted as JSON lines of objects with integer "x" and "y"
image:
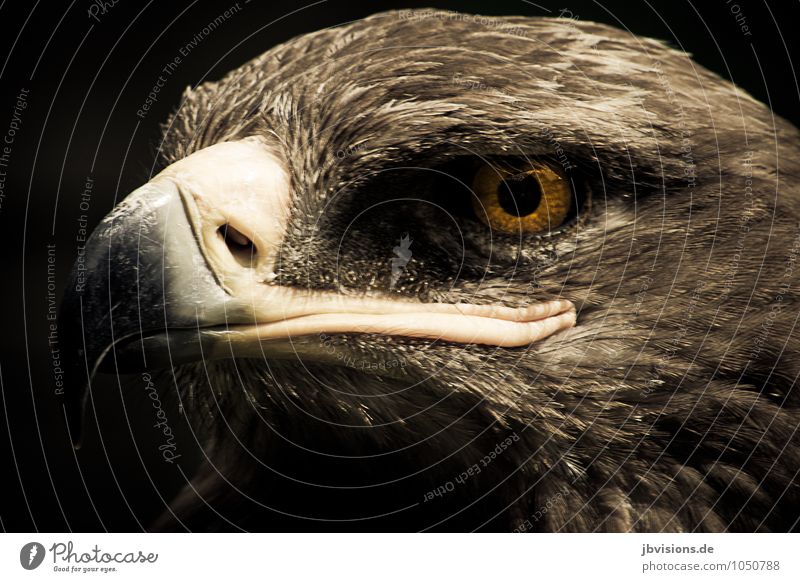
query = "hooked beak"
{"x": 182, "y": 271}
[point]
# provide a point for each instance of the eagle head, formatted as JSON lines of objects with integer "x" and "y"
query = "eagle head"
{"x": 432, "y": 270}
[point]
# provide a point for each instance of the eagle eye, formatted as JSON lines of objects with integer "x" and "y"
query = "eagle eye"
{"x": 534, "y": 198}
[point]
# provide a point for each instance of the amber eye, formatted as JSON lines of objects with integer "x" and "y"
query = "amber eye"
{"x": 533, "y": 199}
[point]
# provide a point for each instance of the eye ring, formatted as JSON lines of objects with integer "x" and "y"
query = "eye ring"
{"x": 536, "y": 198}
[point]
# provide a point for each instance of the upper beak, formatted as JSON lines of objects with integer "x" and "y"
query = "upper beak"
{"x": 143, "y": 291}
{"x": 141, "y": 270}
{"x": 160, "y": 284}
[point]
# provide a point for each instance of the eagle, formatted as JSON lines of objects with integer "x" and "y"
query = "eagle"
{"x": 434, "y": 271}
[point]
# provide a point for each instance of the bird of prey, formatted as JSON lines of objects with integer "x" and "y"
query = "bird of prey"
{"x": 439, "y": 271}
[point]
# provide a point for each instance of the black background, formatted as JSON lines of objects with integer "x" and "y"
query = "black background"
{"x": 86, "y": 80}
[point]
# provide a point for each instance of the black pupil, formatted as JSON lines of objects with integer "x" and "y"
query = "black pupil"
{"x": 519, "y": 197}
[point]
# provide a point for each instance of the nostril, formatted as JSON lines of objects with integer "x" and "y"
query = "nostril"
{"x": 239, "y": 245}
